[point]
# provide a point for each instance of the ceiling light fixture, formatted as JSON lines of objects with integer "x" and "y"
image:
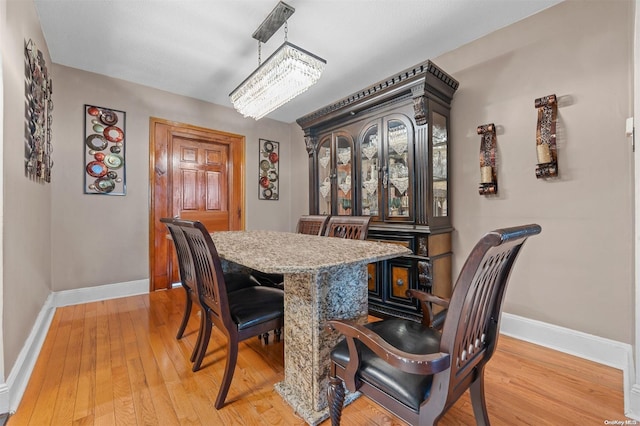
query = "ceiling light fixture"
{"x": 288, "y": 72}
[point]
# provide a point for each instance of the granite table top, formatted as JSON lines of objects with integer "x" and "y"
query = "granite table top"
{"x": 287, "y": 252}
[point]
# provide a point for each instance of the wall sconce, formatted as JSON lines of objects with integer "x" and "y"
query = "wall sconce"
{"x": 488, "y": 177}
{"x": 546, "y": 137}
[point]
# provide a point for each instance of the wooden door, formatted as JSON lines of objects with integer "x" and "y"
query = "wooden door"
{"x": 196, "y": 174}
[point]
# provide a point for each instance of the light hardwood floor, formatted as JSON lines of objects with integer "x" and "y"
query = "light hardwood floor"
{"x": 117, "y": 362}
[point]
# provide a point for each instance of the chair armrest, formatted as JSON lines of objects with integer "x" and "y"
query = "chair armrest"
{"x": 428, "y": 297}
{"x": 407, "y": 362}
{"x": 425, "y": 299}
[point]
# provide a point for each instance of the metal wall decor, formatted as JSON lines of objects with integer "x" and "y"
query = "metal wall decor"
{"x": 268, "y": 182}
{"x": 488, "y": 177}
{"x": 104, "y": 148}
{"x": 38, "y": 108}
{"x": 546, "y": 137}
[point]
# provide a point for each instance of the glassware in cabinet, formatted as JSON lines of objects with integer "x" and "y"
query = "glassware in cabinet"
{"x": 325, "y": 166}
{"x": 398, "y": 175}
{"x": 369, "y": 166}
{"x": 335, "y": 174}
{"x": 344, "y": 174}
{"x": 439, "y": 141}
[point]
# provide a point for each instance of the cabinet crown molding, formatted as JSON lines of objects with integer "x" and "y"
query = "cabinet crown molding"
{"x": 429, "y": 75}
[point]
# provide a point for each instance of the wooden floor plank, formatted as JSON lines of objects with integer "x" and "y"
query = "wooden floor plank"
{"x": 122, "y": 394}
{"x": 118, "y": 362}
{"x": 68, "y": 386}
{"x": 85, "y": 397}
{"x": 105, "y": 408}
{"x": 43, "y": 413}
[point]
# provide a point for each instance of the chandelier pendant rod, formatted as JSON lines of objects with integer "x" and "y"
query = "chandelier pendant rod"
{"x": 273, "y": 22}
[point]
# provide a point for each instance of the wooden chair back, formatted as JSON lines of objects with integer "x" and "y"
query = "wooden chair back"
{"x": 312, "y": 224}
{"x": 471, "y": 328}
{"x": 350, "y": 227}
{"x": 185, "y": 261}
{"x": 187, "y": 274}
{"x": 211, "y": 283}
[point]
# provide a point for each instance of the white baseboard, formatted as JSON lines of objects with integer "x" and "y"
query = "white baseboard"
{"x": 4, "y": 399}
{"x": 103, "y": 292}
{"x": 11, "y": 393}
{"x": 21, "y": 371}
{"x": 598, "y": 349}
{"x": 633, "y": 410}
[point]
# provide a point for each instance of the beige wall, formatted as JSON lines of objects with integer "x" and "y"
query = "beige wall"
{"x": 27, "y": 205}
{"x": 579, "y": 272}
{"x": 101, "y": 239}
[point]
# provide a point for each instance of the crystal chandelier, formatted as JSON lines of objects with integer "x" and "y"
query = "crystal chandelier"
{"x": 284, "y": 75}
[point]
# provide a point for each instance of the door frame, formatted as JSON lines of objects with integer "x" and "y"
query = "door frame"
{"x": 160, "y": 168}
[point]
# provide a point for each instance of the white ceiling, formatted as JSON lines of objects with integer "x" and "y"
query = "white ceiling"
{"x": 204, "y": 49}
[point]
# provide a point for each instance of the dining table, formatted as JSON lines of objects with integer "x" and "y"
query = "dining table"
{"x": 324, "y": 278}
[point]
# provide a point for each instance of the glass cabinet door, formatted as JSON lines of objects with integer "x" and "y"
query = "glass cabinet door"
{"x": 369, "y": 167}
{"x": 440, "y": 180}
{"x": 325, "y": 166}
{"x": 344, "y": 174}
{"x": 398, "y": 173}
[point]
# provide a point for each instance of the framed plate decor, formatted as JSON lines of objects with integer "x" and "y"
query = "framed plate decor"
{"x": 104, "y": 148}
{"x": 38, "y": 116}
{"x": 268, "y": 170}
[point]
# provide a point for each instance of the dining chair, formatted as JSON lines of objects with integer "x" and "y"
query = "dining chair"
{"x": 236, "y": 280}
{"x": 417, "y": 372}
{"x": 351, "y": 227}
{"x": 186, "y": 270}
{"x": 312, "y": 224}
{"x": 239, "y": 315}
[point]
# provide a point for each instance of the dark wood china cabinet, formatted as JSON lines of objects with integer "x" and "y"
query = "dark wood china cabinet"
{"x": 383, "y": 152}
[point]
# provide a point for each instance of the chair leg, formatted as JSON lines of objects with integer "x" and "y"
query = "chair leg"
{"x": 204, "y": 342}
{"x": 277, "y": 332}
{"x": 187, "y": 313}
{"x": 265, "y": 337}
{"x": 232, "y": 358}
{"x": 478, "y": 401}
{"x": 335, "y": 393}
{"x": 196, "y": 347}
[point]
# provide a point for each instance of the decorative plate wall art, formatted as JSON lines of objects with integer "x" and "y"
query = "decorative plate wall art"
{"x": 38, "y": 108}
{"x": 104, "y": 148}
{"x": 268, "y": 181}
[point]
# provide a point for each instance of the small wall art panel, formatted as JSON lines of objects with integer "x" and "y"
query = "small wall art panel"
{"x": 104, "y": 151}
{"x": 268, "y": 183}
{"x": 38, "y": 107}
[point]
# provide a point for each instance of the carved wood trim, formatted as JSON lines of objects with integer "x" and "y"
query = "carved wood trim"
{"x": 425, "y": 71}
{"x": 420, "y": 110}
{"x": 311, "y": 143}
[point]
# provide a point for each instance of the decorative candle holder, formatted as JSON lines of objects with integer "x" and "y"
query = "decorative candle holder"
{"x": 488, "y": 177}
{"x": 546, "y": 149}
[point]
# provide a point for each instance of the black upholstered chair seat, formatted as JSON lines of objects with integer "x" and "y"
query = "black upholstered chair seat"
{"x": 271, "y": 280}
{"x": 406, "y": 335}
{"x": 239, "y": 280}
{"x": 255, "y": 305}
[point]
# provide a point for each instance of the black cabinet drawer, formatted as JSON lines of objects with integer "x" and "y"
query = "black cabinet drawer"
{"x": 404, "y": 239}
